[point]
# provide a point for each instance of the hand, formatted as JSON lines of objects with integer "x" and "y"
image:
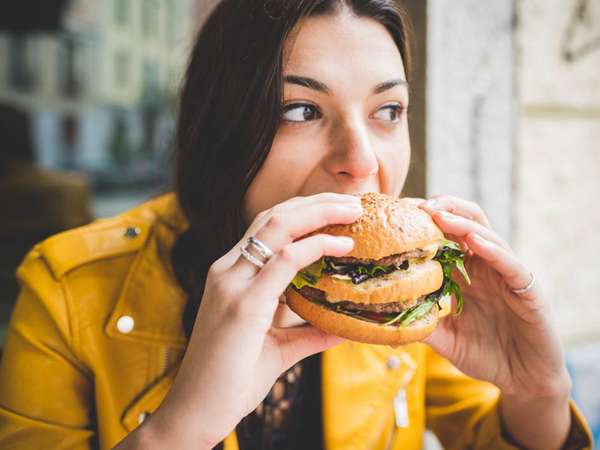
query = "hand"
{"x": 502, "y": 337}
{"x": 235, "y": 354}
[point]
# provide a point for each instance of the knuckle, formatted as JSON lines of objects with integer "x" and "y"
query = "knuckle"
{"x": 277, "y": 220}
{"x": 474, "y": 206}
{"x": 513, "y": 275}
{"x": 286, "y": 254}
{"x": 261, "y": 214}
{"x": 447, "y": 202}
{"x": 215, "y": 269}
{"x": 220, "y": 289}
{"x": 277, "y": 209}
{"x": 477, "y": 210}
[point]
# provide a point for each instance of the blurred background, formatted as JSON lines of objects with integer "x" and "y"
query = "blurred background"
{"x": 505, "y": 112}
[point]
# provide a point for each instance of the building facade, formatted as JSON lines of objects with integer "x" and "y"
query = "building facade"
{"x": 101, "y": 92}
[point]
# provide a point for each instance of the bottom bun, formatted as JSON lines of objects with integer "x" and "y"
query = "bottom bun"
{"x": 359, "y": 330}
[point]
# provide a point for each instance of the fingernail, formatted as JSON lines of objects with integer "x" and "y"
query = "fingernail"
{"x": 346, "y": 240}
{"x": 429, "y": 204}
{"x": 354, "y": 206}
{"x": 446, "y": 215}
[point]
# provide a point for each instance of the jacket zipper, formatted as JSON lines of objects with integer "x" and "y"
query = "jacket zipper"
{"x": 401, "y": 406}
{"x": 165, "y": 365}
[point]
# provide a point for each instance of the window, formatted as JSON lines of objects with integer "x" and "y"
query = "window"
{"x": 21, "y": 61}
{"x": 122, "y": 10}
{"x": 150, "y": 14}
{"x": 121, "y": 68}
{"x": 70, "y": 67}
{"x": 150, "y": 81}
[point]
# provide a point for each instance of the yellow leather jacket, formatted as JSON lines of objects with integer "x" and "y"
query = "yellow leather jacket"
{"x": 95, "y": 340}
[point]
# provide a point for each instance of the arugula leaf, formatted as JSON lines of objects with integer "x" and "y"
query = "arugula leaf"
{"x": 417, "y": 312}
{"x": 395, "y": 319}
{"x": 451, "y": 256}
{"x": 410, "y": 315}
{"x": 310, "y": 275}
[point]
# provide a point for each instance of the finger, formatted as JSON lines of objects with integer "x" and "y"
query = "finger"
{"x": 458, "y": 206}
{"x": 293, "y": 203}
{"x": 296, "y": 202}
{"x": 506, "y": 264}
{"x": 461, "y": 227}
{"x": 413, "y": 200}
{"x": 280, "y": 270}
{"x": 460, "y": 241}
{"x": 420, "y": 201}
{"x": 283, "y": 228}
{"x": 298, "y": 343}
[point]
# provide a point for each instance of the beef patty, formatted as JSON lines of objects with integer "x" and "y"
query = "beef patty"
{"x": 319, "y": 296}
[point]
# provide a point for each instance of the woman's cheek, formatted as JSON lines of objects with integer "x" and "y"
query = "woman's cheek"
{"x": 393, "y": 154}
{"x": 286, "y": 170}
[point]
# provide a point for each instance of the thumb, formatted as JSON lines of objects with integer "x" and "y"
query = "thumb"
{"x": 298, "y": 343}
{"x": 442, "y": 339}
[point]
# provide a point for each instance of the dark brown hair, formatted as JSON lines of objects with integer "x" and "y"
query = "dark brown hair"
{"x": 229, "y": 115}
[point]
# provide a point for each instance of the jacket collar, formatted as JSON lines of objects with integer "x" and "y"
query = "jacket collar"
{"x": 150, "y": 294}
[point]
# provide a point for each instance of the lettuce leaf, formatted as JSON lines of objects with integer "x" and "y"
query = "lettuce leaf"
{"x": 451, "y": 256}
{"x": 310, "y": 275}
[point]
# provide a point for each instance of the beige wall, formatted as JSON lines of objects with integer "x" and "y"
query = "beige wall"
{"x": 557, "y": 160}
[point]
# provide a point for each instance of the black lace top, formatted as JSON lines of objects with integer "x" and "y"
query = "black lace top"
{"x": 290, "y": 417}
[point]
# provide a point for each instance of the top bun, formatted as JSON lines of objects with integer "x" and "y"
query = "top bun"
{"x": 387, "y": 227}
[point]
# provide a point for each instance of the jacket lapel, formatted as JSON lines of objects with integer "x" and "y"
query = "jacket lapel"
{"x": 151, "y": 295}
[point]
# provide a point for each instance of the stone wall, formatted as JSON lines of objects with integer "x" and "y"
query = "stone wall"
{"x": 470, "y": 104}
{"x": 557, "y": 162}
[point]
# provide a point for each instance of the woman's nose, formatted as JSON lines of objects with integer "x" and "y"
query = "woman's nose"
{"x": 352, "y": 153}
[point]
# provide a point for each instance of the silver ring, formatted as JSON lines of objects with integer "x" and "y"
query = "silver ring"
{"x": 527, "y": 288}
{"x": 251, "y": 258}
{"x": 261, "y": 248}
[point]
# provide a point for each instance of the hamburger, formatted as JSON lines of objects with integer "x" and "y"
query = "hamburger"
{"x": 388, "y": 289}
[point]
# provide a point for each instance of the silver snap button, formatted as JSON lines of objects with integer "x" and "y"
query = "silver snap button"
{"x": 131, "y": 232}
{"x": 393, "y": 362}
{"x": 143, "y": 416}
{"x": 125, "y": 324}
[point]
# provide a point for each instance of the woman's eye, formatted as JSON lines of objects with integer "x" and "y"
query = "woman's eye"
{"x": 300, "y": 112}
{"x": 390, "y": 113}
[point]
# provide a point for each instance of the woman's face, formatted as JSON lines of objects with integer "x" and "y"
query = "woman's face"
{"x": 344, "y": 126}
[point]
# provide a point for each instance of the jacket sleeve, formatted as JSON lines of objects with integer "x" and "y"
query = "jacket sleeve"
{"x": 464, "y": 413}
{"x": 46, "y": 393}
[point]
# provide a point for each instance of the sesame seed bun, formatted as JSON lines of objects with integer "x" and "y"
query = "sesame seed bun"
{"x": 388, "y": 226}
{"x": 391, "y": 230}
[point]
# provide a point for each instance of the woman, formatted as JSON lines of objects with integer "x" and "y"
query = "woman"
{"x": 287, "y": 107}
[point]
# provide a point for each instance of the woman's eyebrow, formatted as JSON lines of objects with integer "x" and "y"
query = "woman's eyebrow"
{"x": 316, "y": 85}
{"x": 382, "y": 87}
{"x": 310, "y": 83}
